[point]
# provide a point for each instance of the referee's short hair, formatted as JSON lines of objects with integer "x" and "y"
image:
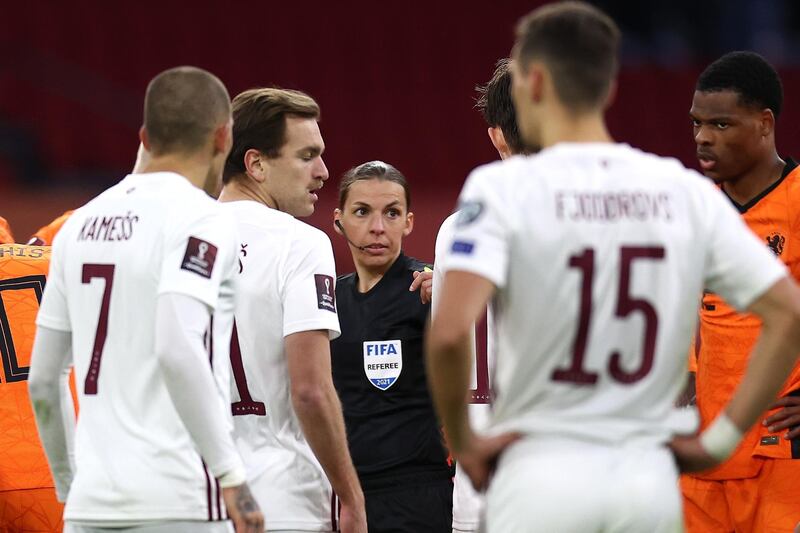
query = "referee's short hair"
{"x": 580, "y": 46}
{"x": 747, "y": 74}
{"x": 372, "y": 170}
{"x": 259, "y": 122}
{"x": 182, "y": 107}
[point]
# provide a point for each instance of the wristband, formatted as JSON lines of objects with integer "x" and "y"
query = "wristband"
{"x": 721, "y": 438}
{"x": 232, "y": 478}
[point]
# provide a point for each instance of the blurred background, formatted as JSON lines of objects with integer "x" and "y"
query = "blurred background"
{"x": 395, "y": 81}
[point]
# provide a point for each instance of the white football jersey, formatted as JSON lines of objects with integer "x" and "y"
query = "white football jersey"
{"x": 467, "y": 502}
{"x": 287, "y": 285}
{"x": 599, "y": 253}
{"x": 148, "y": 235}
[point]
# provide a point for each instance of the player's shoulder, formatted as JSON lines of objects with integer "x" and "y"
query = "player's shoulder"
{"x": 413, "y": 264}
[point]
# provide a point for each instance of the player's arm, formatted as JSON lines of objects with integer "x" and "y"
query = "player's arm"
{"x": 318, "y": 408}
{"x": 48, "y": 386}
{"x": 181, "y": 323}
{"x": 772, "y": 358}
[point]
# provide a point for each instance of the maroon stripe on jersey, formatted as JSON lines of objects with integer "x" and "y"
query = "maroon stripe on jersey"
{"x": 211, "y": 341}
{"x": 334, "y": 525}
{"x": 208, "y": 491}
{"x": 219, "y": 502}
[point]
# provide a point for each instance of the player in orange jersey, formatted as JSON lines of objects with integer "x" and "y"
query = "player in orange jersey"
{"x": 5, "y": 232}
{"x": 27, "y": 495}
{"x": 45, "y": 235}
{"x": 735, "y": 106}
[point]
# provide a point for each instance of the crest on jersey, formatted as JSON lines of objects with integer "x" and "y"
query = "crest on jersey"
{"x": 383, "y": 362}
{"x": 775, "y": 241}
{"x": 199, "y": 257}
{"x": 469, "y": 212}
{"x": 326, "y": 292}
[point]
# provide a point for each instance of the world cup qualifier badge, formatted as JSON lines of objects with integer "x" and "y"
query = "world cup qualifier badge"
{"x": 199, "y": 257}
{"x": 326, "y": 293}
{"x": 383, "y": 362}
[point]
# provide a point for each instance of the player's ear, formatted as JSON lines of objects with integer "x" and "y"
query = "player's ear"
{"x": 499, "y": 142}
{"x": 223, "y": 138}
{"x": 143, "y": 138}
{"x": 536, "y": 80}
{"x": 337, "y": 220}
{"x": 409, "y": 224}
{"x": 255, "y": 165}
{"x": 767, "y": 122}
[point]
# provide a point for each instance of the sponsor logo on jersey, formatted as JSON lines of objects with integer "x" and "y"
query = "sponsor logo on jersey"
{"x": 462, "y": 247}
{"x": 383, "y": 362}
{"x": 776, "y": 241}
{"x": 326, "y": 295}
{"x": 199, "y": 257}
{"x": 469, "y": 212}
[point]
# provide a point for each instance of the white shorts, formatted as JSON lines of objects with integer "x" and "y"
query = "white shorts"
{"x": 187, "y": 526}
{"x": 569, "y": 486}
{"x": 467, "y": 504}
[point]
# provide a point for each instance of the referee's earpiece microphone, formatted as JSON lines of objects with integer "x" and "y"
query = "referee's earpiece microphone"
{"x": 339, "y": 225}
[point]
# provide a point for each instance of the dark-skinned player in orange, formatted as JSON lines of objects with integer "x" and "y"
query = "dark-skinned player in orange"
{"x": 737, "y": 101}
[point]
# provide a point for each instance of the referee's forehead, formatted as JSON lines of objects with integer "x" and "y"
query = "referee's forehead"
{"x": 377, "y": 193}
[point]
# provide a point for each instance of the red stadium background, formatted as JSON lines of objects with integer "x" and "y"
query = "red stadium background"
{"x": 394, "y": 80}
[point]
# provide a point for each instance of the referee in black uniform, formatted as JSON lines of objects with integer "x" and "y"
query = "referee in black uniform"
{"x": 378, "y": 367}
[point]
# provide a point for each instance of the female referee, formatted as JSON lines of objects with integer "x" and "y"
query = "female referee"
{"x": 378, "y": 367}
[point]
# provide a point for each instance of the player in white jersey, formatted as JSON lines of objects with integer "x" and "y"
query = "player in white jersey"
{"x": 287, "y": 417}
{"x": 141, "y": 296}
{"x": 497, "y": 108}
{"x": 594, "y": 255}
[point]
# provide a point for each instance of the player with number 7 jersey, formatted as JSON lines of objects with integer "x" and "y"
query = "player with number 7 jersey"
{"x": 141, "y": 298}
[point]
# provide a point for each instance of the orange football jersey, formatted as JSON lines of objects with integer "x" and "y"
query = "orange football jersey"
{"x": 5, "y": 232}
{"x": 727, "y": 337}
{"x": 46, "y": 234}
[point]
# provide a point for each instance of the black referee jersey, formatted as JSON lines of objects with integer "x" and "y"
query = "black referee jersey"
{"x": 379, "y": 373}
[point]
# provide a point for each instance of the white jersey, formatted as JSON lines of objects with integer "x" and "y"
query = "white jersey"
{"x": 148, "y": 235}
{"x": 599, "y": 253}
{"x": 467, "y": 502}
{"x": 287, "y": 281}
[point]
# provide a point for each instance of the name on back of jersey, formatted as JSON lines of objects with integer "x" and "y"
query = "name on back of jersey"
{"x": 108, "y": 228}
{"x": 383, "y": 362}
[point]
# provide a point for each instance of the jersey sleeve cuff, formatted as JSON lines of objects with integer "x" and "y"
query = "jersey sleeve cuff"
{"x": 313, "y": 325}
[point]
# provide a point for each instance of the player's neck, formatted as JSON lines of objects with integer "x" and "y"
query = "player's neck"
{"x": 194, "y": 169}
{"x": 243, "y": 188}
{"x": 369, "y": 276}
{"x": 756, "y": 180}
{"x": 559, "y": 126}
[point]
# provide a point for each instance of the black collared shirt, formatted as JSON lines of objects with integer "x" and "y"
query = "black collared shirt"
{"x": 379, "y": 372}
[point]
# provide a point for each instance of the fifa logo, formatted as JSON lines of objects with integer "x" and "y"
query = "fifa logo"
{"x": 380, "y": 349}
{"x": 327, "y": 286}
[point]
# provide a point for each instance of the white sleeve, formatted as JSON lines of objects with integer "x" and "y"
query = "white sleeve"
{"x": 48, "y": 386}
{"x": 197, "y": 256}
{"x": 739, "y": 267}
{"x": 181, "y": 323}
{"x": 480, "y": 243}
{"x": 53, "y": 311}
{"x": 444, "y": 240}
{"x": 309, "y": 294}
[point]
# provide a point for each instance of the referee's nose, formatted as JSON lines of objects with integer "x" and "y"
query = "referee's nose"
{"x": 376, "y": 224}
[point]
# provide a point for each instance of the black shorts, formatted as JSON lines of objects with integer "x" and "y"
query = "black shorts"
{"x": 424, "y": 506}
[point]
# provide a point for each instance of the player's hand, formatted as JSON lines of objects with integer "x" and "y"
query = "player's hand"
{"x": 243, "y": 509}
{"x": 690, "y": 454}
{"x": 424, "y": 282}
{"x": 786, "y": 418}
{"x": 353, "y": 519}
{"x": 479, "y": 458}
